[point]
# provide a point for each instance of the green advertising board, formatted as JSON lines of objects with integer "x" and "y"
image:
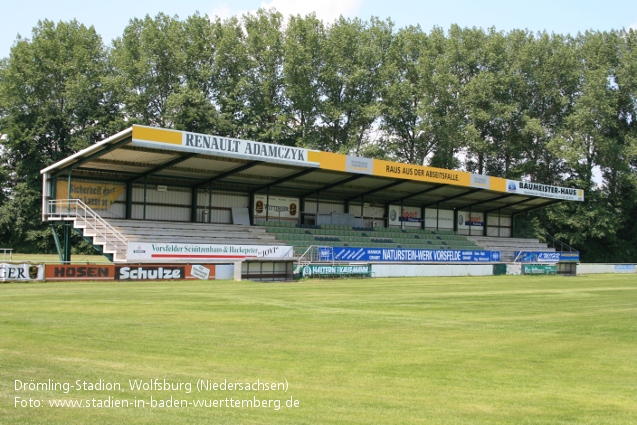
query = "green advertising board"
{"x": 332, "y": 271}
{"x": 539, "y": 269}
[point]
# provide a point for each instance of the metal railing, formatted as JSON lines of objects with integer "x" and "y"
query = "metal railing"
{"x": 75, "y": 209}
{"x": 551, "y": 242}
{"x": 554, "y": 243}
{"x": 315, "y": 254}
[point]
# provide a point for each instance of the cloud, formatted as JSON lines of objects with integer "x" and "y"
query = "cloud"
{"x": 326, "y": 10}
{"x": 223, "y": 11}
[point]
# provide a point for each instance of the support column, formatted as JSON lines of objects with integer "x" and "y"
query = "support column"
{"x": 302, "y": 210}
{"x": 437, "y": 217}
{"x": 210, "y": 203}
{"x": 68, "y": 192}
{"x": 129, "y": 201}
{"x": 267, "y": 204}
{"x": 145, "y": 190}
{"x": 253, "y": 219}
{"x": 455, "y": 220}
{"x": 193, "y": 204}
{"x": 54, "y": 186}
{"x": 499, "y": 221}
{"x": 67, "y": 242}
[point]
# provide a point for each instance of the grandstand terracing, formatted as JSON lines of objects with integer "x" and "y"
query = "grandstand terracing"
{"x": 302, "y": 237}
{"x": 508, "y": 246}
{"x": 186, "y": 232}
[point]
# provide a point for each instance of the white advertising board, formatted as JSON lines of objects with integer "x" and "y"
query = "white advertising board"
{"x": 189, "y": 252}
{"x": 470, "y": 220}
{"x": 10, "y": 272}
{"x": 438, "y": 219}
{"x": 276, "y": 207}
{"x": 409, "y": 216}
{"x": 544, "y": 190}
{"x": 220, "y": 146}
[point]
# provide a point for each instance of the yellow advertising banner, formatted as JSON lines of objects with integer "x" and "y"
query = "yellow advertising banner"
{"x": 421, "y": 173}
{"x": 98, "y": 196}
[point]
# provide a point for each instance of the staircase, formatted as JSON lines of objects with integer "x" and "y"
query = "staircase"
{"x": 92, "y": 227}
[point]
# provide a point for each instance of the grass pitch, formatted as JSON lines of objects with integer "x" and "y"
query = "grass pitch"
{"x": 496, "y": 350}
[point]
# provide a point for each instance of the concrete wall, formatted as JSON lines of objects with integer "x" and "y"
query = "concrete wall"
{"x": 412, "y": 270}
{"x": 595, "y": 268}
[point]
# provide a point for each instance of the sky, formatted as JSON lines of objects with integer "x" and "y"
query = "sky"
{"x": 111, "y": 17}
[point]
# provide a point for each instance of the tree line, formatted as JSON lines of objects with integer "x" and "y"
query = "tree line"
{"x": 551, "y": 108}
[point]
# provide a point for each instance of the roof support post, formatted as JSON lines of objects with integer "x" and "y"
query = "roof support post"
{"x": 145, "y": 193}
{"x": 67, "y": 226}
{"x": 362, "y": 211}
{"x": 210, "y": 203}
{"x": 251, "y": 216}
{"x": 267, "y": 204}
{"x": 455, "y": 220}
{"x": 68, "y": 191}
{"x": 437, "y": 217}
{"x": 499, "y": 221}
{"x": 193, "y": 203}
{"x": 64, "y": 252}
{"x": 128, "y": 214}
{"x": 54, "y": 192}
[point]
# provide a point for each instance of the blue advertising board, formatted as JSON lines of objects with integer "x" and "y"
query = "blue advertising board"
{"x": 545, "y": 257}
{"x": 325, "y": 253}
{"x": 414, "y": 255}
{"x": 625, "y": 268}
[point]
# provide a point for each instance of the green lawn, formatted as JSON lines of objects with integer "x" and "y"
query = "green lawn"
{"x": 54, "y": 258}
{"x": 498, "y": 350}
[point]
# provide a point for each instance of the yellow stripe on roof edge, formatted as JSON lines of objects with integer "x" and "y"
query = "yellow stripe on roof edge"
{"x": 157, "y": 135}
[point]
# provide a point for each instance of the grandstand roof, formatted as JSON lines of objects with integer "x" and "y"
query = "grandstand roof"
{"x": 184, "y": 159}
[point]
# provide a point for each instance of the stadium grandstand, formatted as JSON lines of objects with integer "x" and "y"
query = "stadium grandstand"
{"x": 151, "y": 195}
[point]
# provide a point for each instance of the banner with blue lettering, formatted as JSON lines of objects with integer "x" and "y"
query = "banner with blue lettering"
{"x": 545, "y": 257}
{"x": 415, "y": 255}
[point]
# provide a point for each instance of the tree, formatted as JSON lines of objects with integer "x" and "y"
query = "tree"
{"x": 304, "y": 56}
{"x": 266, "y": 115}
{"x": 406, "y": 105}
{"x": 350, "y": 82}
{"x": 148, "y": 61}
{"x": 53, "y": 102}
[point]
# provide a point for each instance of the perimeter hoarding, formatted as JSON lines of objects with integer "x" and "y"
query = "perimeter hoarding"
{"x": 323, "y": 271}
{"x": 414, "y": 255}
{"x": 184, "y": 252}
{"x": 68, "y": 272}
{"x": 95, "y": 272}
{"x": 165, "y": 272}
{"x": 12, "y": 272}
{"x": 625, "y": 268}
{"x": 536, "y": 269}
{"x": 545, "y": 257}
